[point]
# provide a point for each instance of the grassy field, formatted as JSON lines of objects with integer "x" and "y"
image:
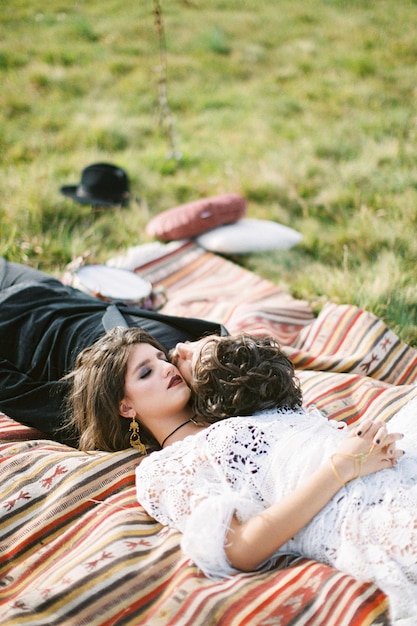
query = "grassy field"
{"x": 308, "y": 109}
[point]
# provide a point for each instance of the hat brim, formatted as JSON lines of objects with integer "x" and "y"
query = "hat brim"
{"x": 70, "y": 191}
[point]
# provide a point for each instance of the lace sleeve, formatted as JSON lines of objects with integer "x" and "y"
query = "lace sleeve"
{"x": 204, "y": 535}
{"x": 228, "y": 486}
{"x": 189, "y": 488}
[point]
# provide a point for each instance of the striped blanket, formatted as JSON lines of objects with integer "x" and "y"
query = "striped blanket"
{"x": 77, "y": 549}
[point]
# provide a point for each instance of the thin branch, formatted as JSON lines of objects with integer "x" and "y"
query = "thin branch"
{"x": 166, "y": 119}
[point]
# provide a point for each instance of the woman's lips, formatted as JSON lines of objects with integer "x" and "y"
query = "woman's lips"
{"x": 175, "y": 380}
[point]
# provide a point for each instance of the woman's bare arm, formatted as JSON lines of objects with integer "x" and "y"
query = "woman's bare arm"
{"x": 250, "y": 543}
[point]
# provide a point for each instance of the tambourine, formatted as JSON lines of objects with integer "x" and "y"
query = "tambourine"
{"x": 113, "y": 284}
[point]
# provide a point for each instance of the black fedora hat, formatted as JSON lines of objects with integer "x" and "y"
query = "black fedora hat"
{"x": 102, "y": 184}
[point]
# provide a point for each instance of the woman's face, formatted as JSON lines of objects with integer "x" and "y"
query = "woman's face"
{"x": 185, "y": 355}
{"x": 154, "y": 387}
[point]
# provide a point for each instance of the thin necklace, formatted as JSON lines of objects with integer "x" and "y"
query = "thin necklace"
{"x": 177, "y": 428}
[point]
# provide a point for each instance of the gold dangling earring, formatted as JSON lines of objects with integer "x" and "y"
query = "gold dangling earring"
{"x": 135, "y": 441}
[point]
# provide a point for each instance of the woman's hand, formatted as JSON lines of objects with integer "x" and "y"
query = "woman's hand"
{"x": 367, "y": 449}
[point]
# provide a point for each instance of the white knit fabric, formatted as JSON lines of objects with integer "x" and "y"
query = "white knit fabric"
{"x": 244, "y": 464}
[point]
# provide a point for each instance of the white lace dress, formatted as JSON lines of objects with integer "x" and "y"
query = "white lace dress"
{"x": 244, "y": 464}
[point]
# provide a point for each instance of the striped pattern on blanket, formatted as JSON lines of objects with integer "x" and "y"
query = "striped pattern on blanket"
{"x": 75, "y": 546}
{"x": 348, "y": 361}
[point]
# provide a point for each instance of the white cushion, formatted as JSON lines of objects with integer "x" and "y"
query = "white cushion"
{"x": 249, "y": 235}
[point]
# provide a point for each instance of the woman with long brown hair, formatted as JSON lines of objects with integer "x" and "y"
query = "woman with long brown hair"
{"x": 246, "y": 489}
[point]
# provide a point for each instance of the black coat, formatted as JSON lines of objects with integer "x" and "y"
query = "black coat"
{"x": 44, "y": 326}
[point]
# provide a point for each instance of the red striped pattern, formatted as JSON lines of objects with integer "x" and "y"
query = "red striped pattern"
{"x": 76, "y": 548}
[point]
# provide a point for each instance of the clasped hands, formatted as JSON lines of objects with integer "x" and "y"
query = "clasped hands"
{"x": 366, "y": 450}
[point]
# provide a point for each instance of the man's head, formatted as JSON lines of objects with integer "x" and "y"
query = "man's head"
{"x": 237, "y": 375}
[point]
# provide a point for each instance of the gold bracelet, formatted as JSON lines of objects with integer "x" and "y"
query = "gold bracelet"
{"x": 335, "y": 472}
{"x": 358, "y": 461}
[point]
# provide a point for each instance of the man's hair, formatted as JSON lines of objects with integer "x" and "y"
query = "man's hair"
{"x": 240, "y": 375}
{"x": 97, "y": 388}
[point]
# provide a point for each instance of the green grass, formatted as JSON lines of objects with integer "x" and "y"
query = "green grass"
{"x": 306, "y": 108}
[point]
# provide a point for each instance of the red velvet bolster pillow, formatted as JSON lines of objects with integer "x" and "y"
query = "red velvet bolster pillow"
{"x": 194, "y": 218}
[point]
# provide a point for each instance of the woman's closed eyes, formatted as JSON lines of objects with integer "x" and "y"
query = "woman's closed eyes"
{"x": 144, "y": 370}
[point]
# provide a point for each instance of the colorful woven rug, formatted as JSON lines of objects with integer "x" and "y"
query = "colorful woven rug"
{"x": 77, "y": 549}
